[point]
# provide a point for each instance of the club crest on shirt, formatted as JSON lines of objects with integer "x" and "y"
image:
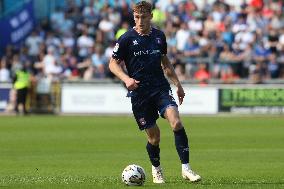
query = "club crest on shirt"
{"x": 158, "y": 40}
{"x": 142, "y": 121}
{"x": 135, "y": 42}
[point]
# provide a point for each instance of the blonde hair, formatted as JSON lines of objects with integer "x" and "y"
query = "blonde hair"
{"x": 142, "y": 7}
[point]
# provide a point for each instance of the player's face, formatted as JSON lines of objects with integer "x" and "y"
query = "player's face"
{"x": 142, "y": 22}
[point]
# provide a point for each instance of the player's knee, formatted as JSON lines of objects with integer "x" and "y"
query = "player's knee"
{"x": 176, "y": 125}
{"x": 154, "y": 140}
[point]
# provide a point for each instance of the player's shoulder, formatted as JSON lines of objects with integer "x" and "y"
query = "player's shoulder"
{"x": 157, "y": 31}
{"x": 127, "y": 35}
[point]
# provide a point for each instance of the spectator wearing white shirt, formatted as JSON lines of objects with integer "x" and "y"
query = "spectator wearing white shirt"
{"x": 99, "y": 62}
{"x": 68, "y": 40}
{"x": 244, "y": 37}
{"x": 52, "y": 40}
{"x": 109, "y": 50}
{"x": 182, "y": 35}
{"x": 85, "y": 44}
{"x": 50, "y": 66}
{"x": 107, "y": 27}
{"x": 217, "y": 13}
{"x": 195, "y": 24}
{"x": 33, "y": 43}
{"x": 4, "y": 72}
{"x": 240, "y": 25}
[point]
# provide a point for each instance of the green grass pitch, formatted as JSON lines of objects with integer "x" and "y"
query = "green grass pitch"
{"x": 91, "y": 152}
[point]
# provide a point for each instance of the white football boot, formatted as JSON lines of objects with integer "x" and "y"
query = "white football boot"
{"x": 157, "y": 173}
{"x": 188, "y": 174}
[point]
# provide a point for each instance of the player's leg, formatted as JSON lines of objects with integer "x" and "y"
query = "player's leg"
{"x": 153, "y": 149}
{"x": 25, "y": 94}
{"x": 168, "y": 109}
{"x": 181, "y": 142}
{"x": 18, "y": 100}
{"x": 146, "y": 116}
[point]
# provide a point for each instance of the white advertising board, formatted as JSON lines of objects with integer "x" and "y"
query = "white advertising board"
{"x": 95, "y": 99}
{"x": 199, "y": 100}
{"x": 111, "y": 99}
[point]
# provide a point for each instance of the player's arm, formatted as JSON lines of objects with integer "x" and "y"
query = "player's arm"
{"x": 171, "y": 74}
{"x": 115, "y": 68}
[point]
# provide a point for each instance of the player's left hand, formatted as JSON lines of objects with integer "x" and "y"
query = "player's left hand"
{"x": 180, "y": 94}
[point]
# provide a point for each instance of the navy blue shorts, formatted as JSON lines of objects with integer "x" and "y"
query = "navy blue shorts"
{"x": 146, "y": 109}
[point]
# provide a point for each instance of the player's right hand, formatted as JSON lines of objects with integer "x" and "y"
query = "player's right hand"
{"x": 131, "y": 84}
{"x": 180, "y": 94}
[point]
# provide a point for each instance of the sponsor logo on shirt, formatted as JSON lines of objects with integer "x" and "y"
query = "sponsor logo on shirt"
{"x": 146, "y": 52}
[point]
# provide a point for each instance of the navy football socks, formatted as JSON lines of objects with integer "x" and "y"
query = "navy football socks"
{"x": 154, "y": 154}
{"x": 181, "y": 143}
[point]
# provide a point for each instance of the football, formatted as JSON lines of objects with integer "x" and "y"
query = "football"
{"x": 133, "y": 175}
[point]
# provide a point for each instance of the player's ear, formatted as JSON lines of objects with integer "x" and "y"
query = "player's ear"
{"x": 151, "y": 15}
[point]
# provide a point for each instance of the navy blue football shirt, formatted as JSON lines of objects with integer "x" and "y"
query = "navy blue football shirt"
{"x": 142, "y": 56}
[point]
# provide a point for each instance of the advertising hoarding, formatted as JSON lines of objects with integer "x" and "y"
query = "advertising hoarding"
{"x": 4, "y": 98}
{"x": 111, "y": 99}
{"x": 252, "y": 100}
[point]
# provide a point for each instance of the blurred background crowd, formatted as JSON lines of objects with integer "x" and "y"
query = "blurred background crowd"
{"x": 207, "y": 41}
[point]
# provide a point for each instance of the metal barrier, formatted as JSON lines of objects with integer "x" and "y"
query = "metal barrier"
{"x": 45, "y": 97}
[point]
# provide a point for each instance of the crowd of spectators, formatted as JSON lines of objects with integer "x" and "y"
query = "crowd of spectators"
{"x": 205, "y": 40}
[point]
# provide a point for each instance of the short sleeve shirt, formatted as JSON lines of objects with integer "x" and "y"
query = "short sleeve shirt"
{"x": 142, "y": 56}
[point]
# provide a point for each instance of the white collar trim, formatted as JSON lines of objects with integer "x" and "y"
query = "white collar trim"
{"x": 141, "y": 34}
